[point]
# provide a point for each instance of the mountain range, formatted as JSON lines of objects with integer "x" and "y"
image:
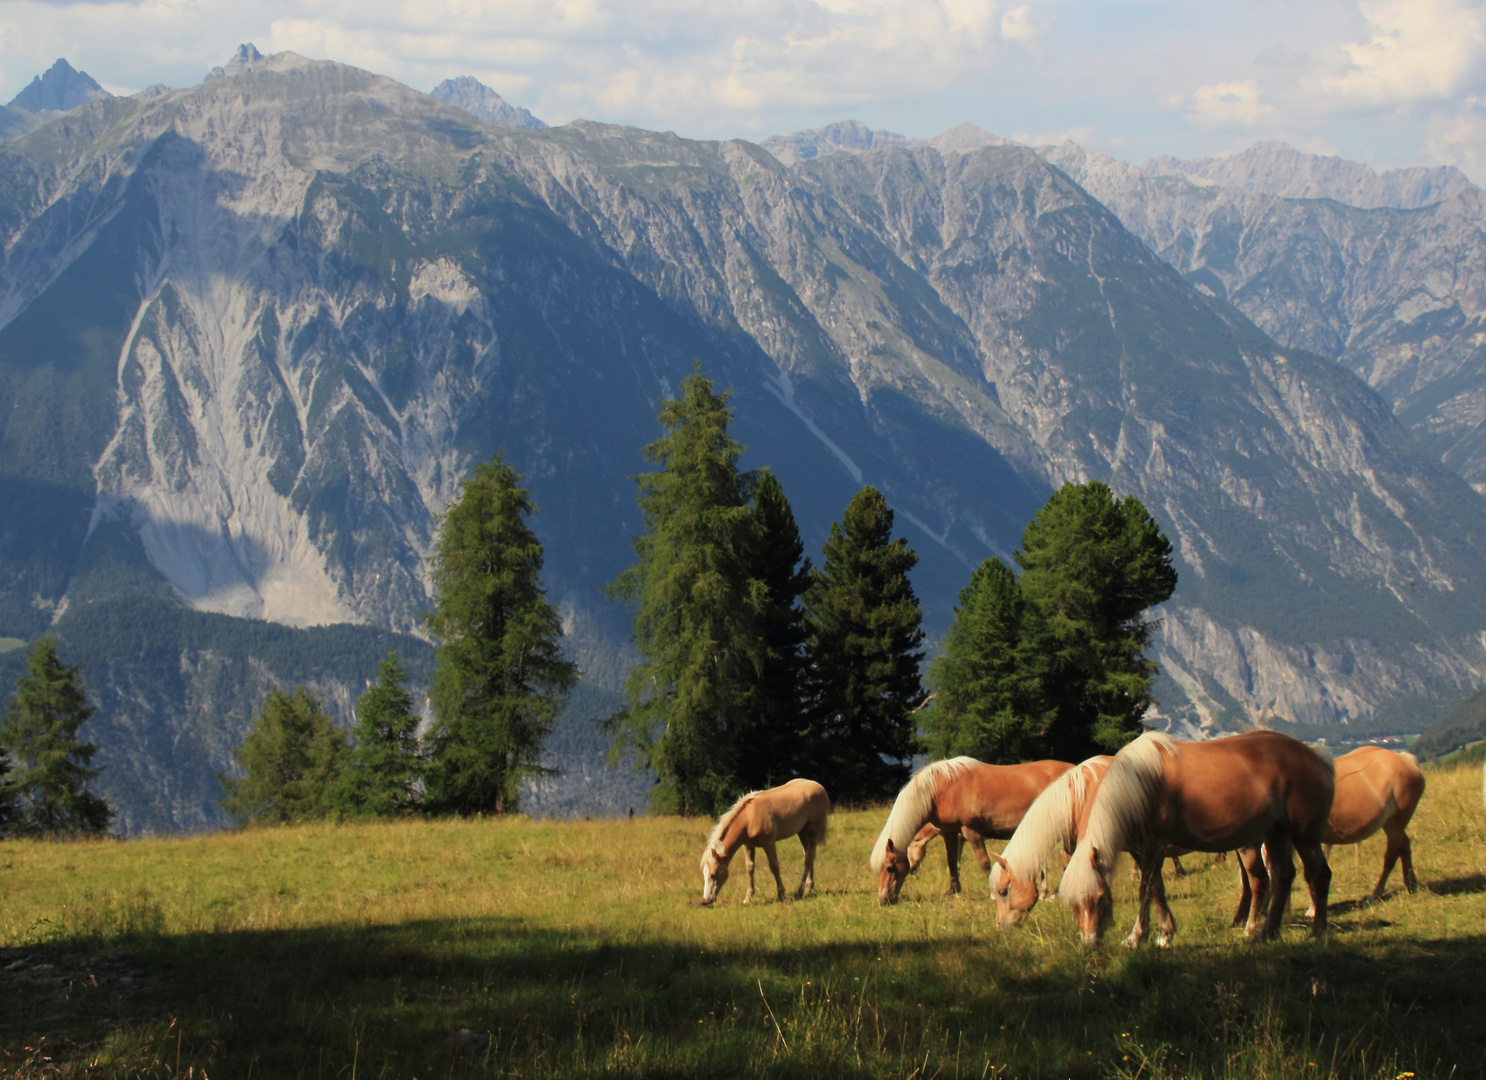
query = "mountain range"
{"x": 253, "y": 333}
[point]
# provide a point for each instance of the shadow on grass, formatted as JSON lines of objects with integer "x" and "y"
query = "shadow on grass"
{"x": 481, "y": 996}
{"x": 1460, "y": 886}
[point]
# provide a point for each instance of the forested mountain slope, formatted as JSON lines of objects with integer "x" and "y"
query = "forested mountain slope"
{"x": 252, "y": 333}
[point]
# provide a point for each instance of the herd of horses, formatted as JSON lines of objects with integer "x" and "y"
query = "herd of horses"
{"x": 1263, "y": 795}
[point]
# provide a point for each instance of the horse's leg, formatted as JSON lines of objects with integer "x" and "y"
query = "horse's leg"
{"x": 748, "y": 862}
{"x": 1406, "y": 856}
{"x": 773, "y": 854}
{"x": 1318, "y": 880}
{"x": 953, "y": 844}
{"x": 1398, "y": 845}
{"x": 807, "y": 880}
{"x": 978, "y": 845}
{"x": 1256, "y": 889}
{"x": 1178, "y": 871}
{"x": 1282, "y": 871}
{"x": 1149, "y": 867}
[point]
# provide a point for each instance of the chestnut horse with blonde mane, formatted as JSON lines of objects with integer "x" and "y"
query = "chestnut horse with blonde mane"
{"x": 1376, "y": 789}
{"x": 955, "y": 795}
{"x": 761, "y": 819}
{"x": 1057, "y": 818}
{"x": 1259, "y": 788}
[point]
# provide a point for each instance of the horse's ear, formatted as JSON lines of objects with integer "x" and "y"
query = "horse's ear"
{"x": 1094, "y": 856}
{"x": 1001, "y": 862}
{"x": 890, "y": 849}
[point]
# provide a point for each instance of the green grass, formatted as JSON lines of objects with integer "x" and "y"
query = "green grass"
{"x": 528, "y": 949}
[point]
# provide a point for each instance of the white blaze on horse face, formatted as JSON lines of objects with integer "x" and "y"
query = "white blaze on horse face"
{"x": 714, "y": 875}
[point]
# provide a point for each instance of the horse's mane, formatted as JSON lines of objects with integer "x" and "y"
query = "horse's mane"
{"x": 1050, "y": 821}
{"x": 911, "y": 808}
{"x": 1118, "y": 819}
{"x": 722, "y": 822}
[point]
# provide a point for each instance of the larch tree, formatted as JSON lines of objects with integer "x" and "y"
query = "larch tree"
{"x": 863, "y": 622}
{"x": 988, "y": 700}
{"x": 291, "y": 761}
{"x": 500, "y": 678}
{"x": 771, "y": 745}
{"x": 1091, "y": 567}
{"x": 383, "y": 773}
{"x": 47, "y": 784}
{"x": 695, "y": 608}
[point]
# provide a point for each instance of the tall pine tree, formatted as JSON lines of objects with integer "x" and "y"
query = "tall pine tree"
{"x": 47, "y": 785}
{"x": 696, "y": 608}
{"x": 988, "y": 700}
{"x": 7, "y": 797}
{"x": 500, "y": 677}
{"x": 383, "y": 773}
{"x": 863, "y": 624}
{"x": 771, "y": 745}
{"x": 1091, "y": 566}
{"x": 291, "y": 762}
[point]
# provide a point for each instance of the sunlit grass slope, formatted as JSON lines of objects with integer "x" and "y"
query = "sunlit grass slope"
{"x": 520, "y": 949}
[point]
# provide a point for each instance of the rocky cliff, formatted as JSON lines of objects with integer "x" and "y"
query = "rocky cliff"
{"x": 253, "y": 332}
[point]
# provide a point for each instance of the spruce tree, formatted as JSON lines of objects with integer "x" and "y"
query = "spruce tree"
{"x": 771, "y": 745}
{"x": 7, "y": 797}
{"x": 863, "y": 622}
{"x": 291, "y": 761}
{"x": 1091, "y": 566}
{"x": 500, "y": 678}
{"x": 695, "y": 606}
{"x": 383, "y": 773}
{"x": 988, "y": 700}
{"x": 47, "y": 784}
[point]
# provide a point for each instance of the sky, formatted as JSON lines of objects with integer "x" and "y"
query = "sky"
{"x": 1385, "y": 82}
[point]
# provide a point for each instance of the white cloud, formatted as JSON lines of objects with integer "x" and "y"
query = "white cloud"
{"x": 1228, "y": 105}
{"x": 1025, "y": 26}
{"x": 1459, "y": 138}
{"x": 1419, "y": 49}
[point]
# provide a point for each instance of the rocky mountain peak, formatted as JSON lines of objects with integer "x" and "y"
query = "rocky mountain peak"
{"x": 1277, "y": 168}
{"x": 855, "y": 137}
{"x": 481, "y": 102}
{"x": 63, "y": 87}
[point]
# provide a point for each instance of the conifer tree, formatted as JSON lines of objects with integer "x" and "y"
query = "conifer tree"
{"x": 383, "y": 773}
{"x": 771, "y": 745}
{"x": 1091, "y": 566}
{"x": 988, "y": 699}
{"x": 7, "y": 797}
{"x": 500, "y": 678}
{"x": 695, "y": 608}
{"x": 863, "y": 620}
{"x": 47, "y": 784}
{"x": 291, "y": 760}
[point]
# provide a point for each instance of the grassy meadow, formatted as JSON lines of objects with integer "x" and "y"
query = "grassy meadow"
{"x": 519, "y": 948}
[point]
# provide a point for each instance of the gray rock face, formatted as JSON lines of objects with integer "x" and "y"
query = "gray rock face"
{"x": 1275, "y": 168}
{"x": 483, "y": 103}
{"x": 854, "y": 137}
{"x": 1396, "y": 295}
{"x": 60, "y": 89}
{"x": 253, "y": 333}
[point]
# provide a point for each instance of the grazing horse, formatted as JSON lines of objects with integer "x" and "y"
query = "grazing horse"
{"x": 953, "y": 795}
{"x": 760, "y": 819}
{"x": 1055, "y": 819}
{"x": 1236, "y": 793}
{"x": 1375, "y": 789}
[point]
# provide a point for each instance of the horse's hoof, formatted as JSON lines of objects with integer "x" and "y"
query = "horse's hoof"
{"x": 1131, "y": 942}
{"x": 1163, "y": 941}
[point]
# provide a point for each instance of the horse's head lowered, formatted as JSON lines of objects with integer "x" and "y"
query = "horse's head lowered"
{"x": 1015, "y": 895}
{"x": 1086, "y": 889}
{"x": 894, "y": 872}
{"x": 714, "y": 872}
